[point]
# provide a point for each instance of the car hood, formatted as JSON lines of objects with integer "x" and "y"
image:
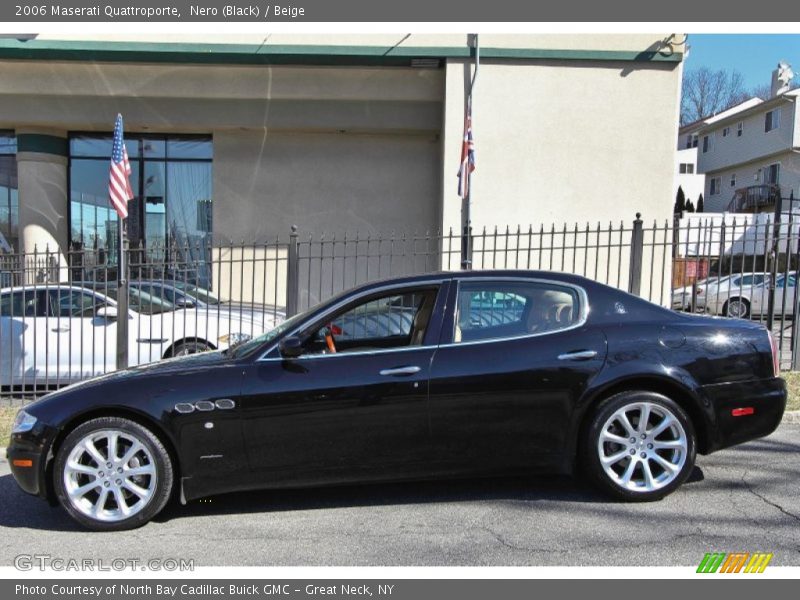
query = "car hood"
{"x": 182, "y": 364}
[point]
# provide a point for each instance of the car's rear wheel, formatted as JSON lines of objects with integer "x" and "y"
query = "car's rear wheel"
{"x": 737, "y": 308}
{"x": 640, "y": 446}
{"x": 112, "y": 474}
{"x": 189, "y": 347}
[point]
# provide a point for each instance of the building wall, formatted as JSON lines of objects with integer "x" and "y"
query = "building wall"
{"x": 558, "y": 143}
{"x": 324, "y": 183}
{"x": 746, "y": 176}
{"x": 692, "y": 184}
{"x": 754, "y": 143}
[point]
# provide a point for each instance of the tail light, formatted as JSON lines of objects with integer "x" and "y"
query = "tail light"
{"x": 776, "y": 367}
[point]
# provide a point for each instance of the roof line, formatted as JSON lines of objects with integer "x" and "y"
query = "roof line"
{"x": 256, "y": 54}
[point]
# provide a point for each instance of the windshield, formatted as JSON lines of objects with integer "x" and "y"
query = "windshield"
{"x": 257, "y": 342}
{"x": 197, "y": 292}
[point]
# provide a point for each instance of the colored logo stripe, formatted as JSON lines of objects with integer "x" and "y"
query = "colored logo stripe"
{"x": 735, "y": 562}
{"x": 758, "y": 563}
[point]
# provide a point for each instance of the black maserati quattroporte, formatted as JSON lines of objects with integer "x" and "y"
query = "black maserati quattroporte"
{"x": 444, "y": 375}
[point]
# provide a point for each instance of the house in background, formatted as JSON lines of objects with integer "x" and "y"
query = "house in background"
{"x": 750, "y": 155}
{"x": 687, "y": 175}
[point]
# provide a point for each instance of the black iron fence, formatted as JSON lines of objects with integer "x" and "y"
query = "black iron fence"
{"x": 59, "y": 323}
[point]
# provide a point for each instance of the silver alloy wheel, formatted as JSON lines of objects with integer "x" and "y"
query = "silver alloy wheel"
{"x": 110, "y": 475}
{"x": 642, "y": 447}
{"x": 737, "y": 309}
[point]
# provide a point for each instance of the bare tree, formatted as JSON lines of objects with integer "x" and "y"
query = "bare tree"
{"x": 706, "y": 92}
{"x": 764, "y": 91}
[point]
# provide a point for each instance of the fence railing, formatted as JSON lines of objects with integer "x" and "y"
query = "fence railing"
{"x": 58, "y": 318}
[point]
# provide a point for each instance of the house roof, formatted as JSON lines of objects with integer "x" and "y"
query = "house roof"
{"x": 728, "y": 112}
{"x": 765, "y": 105}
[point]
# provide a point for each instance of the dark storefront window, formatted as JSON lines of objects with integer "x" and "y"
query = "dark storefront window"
{"x": 169, "y": 217}
{"x": 9, "y": 198}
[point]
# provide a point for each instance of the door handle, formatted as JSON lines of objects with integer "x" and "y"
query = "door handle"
{"x": 400, "y": 371}
{"x": 578, "y": 355}
{"x": 59, "y": 329}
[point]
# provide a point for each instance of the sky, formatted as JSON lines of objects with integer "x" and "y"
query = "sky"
{"x": 755, "y": 56}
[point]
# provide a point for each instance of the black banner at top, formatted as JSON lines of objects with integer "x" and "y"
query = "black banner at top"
{"x": 461, "y": 11}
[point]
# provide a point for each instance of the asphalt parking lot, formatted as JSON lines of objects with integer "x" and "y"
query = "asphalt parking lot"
{"x": 742, "y": 499}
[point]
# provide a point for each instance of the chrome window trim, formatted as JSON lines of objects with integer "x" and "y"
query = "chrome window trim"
{"x": 345, "y": 302}
{"x": 583, "y": 315}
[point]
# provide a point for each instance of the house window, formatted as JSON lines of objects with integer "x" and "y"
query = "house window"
{"x": 170, "y": 213}
{"x": 689, "y": 141}
{"x": 739, "y": 128}
{"x": 757, "y": 176}
{"x": 733, "y": 179}
{"x": 726, "y": 131}
{"x": 706, "y": 143}
{"x": 9, "y": 198}
{"x": 686, "y": 168}
{"x": 772, "y": 120}
{"x": 694, "y": 140}
{"x": 772, "y": 174}
{"x": 715, "y": 186}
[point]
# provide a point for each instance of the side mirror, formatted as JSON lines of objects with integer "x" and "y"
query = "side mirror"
{"x": 108, "y": 312}
{"x": 184, "y": 303}
{"x": 291, "y": 347}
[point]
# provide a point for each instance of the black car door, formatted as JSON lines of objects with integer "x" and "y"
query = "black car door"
{"x": 516, "y": 355}
{"x": 357, "y": 413}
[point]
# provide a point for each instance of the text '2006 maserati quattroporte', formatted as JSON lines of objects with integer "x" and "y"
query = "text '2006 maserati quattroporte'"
{"x": 444, "y": 375}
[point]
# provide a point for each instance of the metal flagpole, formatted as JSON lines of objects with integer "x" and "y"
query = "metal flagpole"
{"x": 466, "y": 239}
{"x": 122, "y": 300}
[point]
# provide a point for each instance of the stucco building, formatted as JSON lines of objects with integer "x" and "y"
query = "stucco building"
{"x": 240, "y": 137}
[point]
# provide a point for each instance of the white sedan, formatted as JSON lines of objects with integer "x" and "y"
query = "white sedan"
{"x": 52, "y": 335}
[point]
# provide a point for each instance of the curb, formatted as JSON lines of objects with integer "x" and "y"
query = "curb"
{"x": 791, "y": 416}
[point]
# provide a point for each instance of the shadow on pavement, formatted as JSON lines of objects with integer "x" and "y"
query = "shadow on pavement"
{"x": 20, "y": 510}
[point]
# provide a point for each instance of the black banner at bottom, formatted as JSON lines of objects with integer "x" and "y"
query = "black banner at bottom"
{"x": 395, "y": 589}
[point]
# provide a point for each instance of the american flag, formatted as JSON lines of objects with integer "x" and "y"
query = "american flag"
{"x": 119, "y": 175}
{"x": 467, "y": 155}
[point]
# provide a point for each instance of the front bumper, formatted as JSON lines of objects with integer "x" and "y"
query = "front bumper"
{"x": 767, "y": 398}
{"x": 27, "y": 456}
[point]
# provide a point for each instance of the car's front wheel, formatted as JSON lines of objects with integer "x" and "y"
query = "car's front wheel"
{"x": 112, "y": 474}
{"x": 640, "y": 446}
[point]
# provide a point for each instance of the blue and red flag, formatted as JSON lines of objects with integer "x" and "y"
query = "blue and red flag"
{"x": 119, "y": 176}
{"x": 467, "y": 155}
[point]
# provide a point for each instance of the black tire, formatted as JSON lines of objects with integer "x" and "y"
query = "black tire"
{"x": 189, "y": 347}
{"x": 681, "y": 459}
{"x": 153, "y": 454}
{"x": 745, "y": 303}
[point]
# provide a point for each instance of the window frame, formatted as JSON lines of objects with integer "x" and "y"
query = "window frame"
{"x": 768, "y": 171}
{"x": 448, "y": 329}
{"x": 141, "y": 160}
{"x": 706, "y": 144}
{"x": 315, "y": 321}
{"x": 97, "y": 302}
{"x": 771, "y": 121}
{"x": 715, "y": 186}
{"x": 726, "y": 131}
{"x": 740, "y": 129}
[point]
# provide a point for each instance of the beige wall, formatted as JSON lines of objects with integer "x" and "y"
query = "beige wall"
{"x": 324, "y": 183}
{"x": 564, "y": 142}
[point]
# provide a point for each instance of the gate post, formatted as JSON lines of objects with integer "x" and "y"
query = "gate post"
{"x": 292, "y": 274}
{"x": 637, "y": 249}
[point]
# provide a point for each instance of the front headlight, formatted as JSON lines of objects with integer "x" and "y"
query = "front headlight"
{"x": 234, "y": 339}
{"x": 23, "y": 422}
